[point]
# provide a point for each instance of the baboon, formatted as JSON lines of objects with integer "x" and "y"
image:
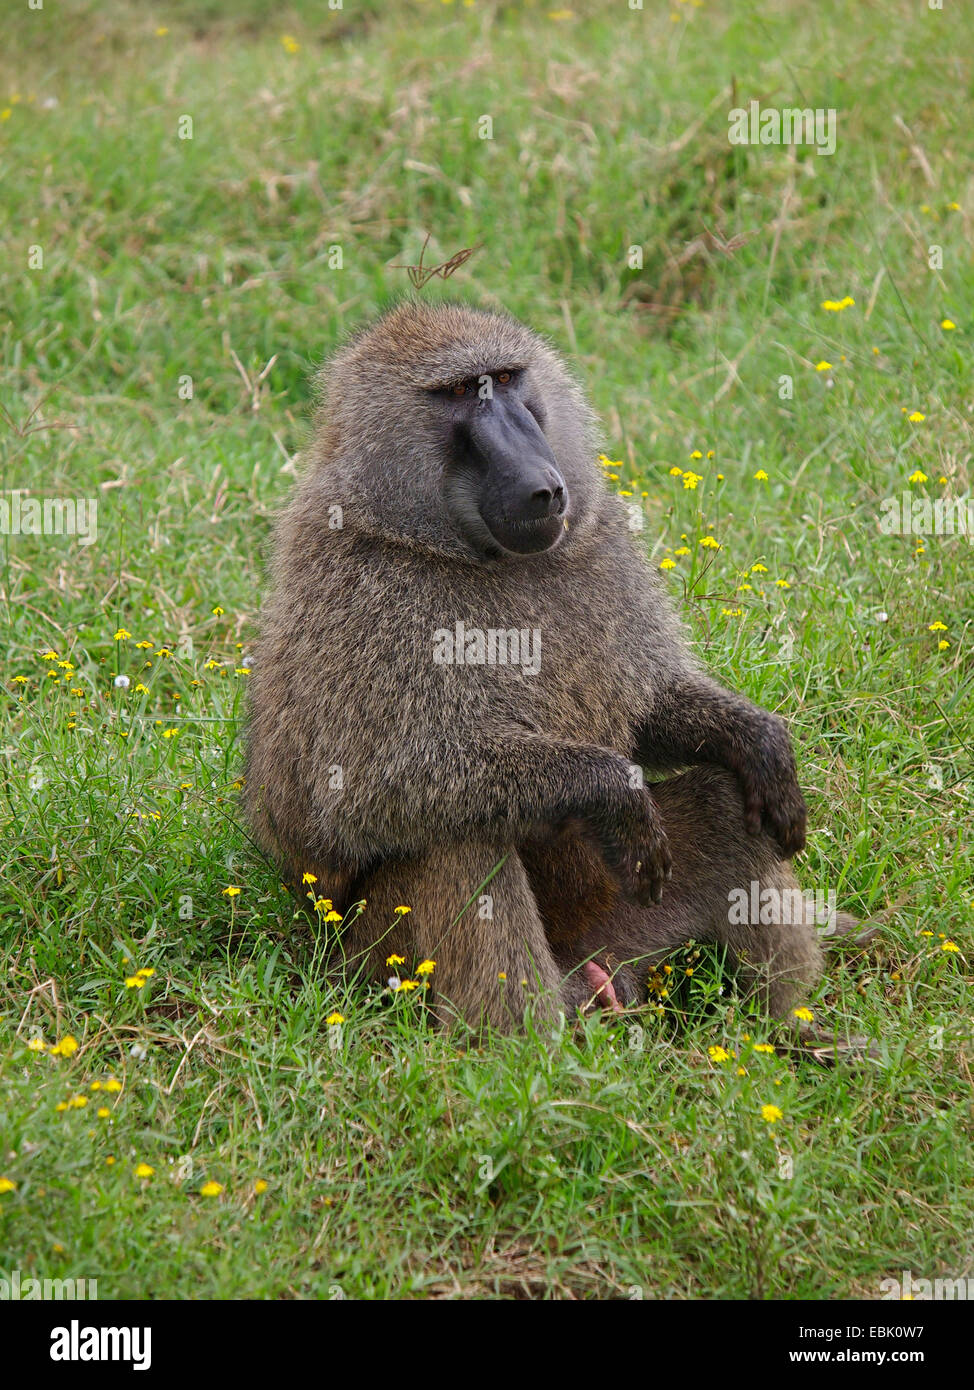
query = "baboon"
{"x": 466, "y": 664}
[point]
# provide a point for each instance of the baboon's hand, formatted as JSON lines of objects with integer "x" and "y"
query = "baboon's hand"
{"x": 772, "y": 796}
{"x": 634, "y": 846}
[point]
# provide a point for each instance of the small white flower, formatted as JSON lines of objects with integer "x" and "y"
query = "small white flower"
{"x": 122, "y": 682}
{"x": 882, "y": 616}
{"x": 393, "y": 982}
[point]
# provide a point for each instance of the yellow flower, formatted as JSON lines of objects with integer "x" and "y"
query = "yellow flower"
{"x": 218, "y": 612}
{"x": 37, "y": 1045}
{"x": 761, "y": 476}
{"x": 322, "y": 904}
{"x": 426, "y": 967}
{"x": 122, "y": 634}
{"x": 78, "y": 1102}
{"x": 401, "y": 911}
{"x": 709, "y": 543}
{"x": 667, "y": 564}
{"x": 771, "y": 1113}
{"x": 835, "y": 306}
{"x": 161, "y": 32}
{"x": 804, "y": 1014}
{"x": 395, "y": 960}
{"x": 144, "y": 1171}
{"x": 333, "y": 916}
{"x": 406, "y": 985}
{"x": 135, "y": 982}
{"x": 144, "y": 646}
{"x": 917, "y": 477}
{"x": 110, "y": 1160}
{"x": 7, "y": 1185}
{"x": 290, "y": 45}
{"x": 147, "y": 971}
{"x": 938, "y": 626}
{"x": 334, "y": 1019}
{"x": 690, "y": 480}
{"x": 763, "y": 1047}
{"x": 696, "y": 454}
{"x": 260, "y": 1186}
{"x": 947, "y": 324}
{"x": 782, "y": 584}
{"x": 718, "y": 1054}
{"x": 916, "y": 416}
{"x": 502, "y": 975}
{"x": 732, "y": 612}
{"x": 676, "y": 472}
{"x": 62, "y": 1105}
{"x": 949, "y": 946}
{"x": 67, "y": 1047}
{"x": 682, "y": 550}
{"x": 942, "y": 645}
{"x": 104, "y": 1112}
{"x": 230, "y": 891}
{"x": 309, "y": 878}
{"x": 112, "y": 1085}
{"x": 823, "y": 366}
{"x": 211, "y": 1189}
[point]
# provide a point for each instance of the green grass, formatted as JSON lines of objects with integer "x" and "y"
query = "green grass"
{"x": 400, "y": 1163}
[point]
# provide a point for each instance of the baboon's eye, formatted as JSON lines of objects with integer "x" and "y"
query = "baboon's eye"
{"x": 503, "y": 376}
{"x": 460, "y": 389}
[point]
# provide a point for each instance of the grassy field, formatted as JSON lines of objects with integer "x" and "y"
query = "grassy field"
{"x": 163, "y": 302}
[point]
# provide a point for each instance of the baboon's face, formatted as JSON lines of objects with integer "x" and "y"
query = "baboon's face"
{"x": 501, "y": 481}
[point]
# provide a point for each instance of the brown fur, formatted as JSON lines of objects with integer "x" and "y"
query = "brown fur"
{"x": 405, "y": 782}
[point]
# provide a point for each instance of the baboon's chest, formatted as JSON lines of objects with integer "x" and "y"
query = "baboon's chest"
{"x": 537, "y": 660}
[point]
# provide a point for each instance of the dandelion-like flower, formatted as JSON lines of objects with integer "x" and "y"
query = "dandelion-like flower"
{"x": 771, "y": 1113}
{"x": 804, "y": 1014}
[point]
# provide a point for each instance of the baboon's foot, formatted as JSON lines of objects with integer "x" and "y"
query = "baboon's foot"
{"x": 815, "y": 1041}
{"x": 846, "y": 930}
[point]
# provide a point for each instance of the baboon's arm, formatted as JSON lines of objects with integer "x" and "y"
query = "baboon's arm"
{"x": 694, "y": 720}
{"x": 511, "y": 784}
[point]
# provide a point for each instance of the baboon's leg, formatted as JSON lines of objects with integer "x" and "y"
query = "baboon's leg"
{"x": 713, "y": 853}
{"x": 499, "y": 934}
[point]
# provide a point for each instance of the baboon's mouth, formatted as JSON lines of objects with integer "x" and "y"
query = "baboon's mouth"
{"x": 528, "y": 537}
